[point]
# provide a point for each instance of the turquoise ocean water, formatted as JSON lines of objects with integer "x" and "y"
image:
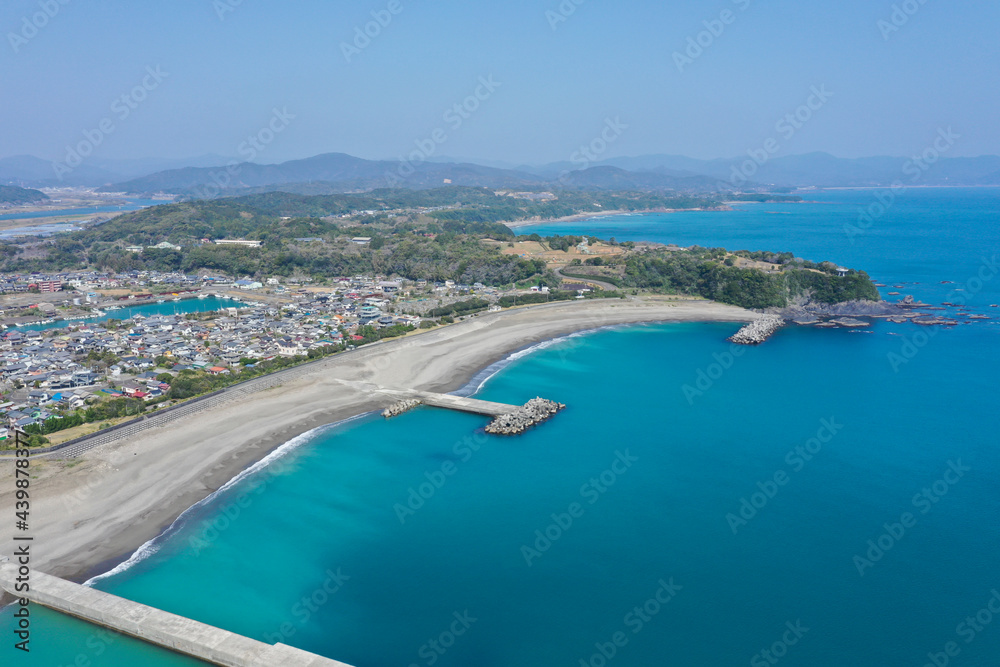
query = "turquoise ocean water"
{"x": 688, "y": 508}
{"x": 168, "y": 307}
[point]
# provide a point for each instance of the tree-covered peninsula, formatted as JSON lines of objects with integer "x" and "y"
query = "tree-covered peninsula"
{"x": 449, "y": 234}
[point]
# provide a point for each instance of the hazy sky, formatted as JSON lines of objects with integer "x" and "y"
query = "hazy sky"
{"x": 226, "y": 65}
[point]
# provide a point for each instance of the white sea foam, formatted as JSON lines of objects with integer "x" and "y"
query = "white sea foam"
{"x": 474, "y": 386}
{"x": 153, "y": 545}
{"x": 479, "y": 380}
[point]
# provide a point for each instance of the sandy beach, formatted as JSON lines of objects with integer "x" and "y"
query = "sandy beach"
{"x": 567, "y": 218}
{"x": 600, "y": 214}
{"x": 90, "y": 514}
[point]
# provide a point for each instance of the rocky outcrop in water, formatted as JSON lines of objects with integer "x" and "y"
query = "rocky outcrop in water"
{"x": 934, "y": 321}
{"x": 521, "y": 419}
{"x": 399, "y": 408}
{"x": 758, "y": 331}
{"x": 810, "y": 311}
{"x": 850, "y": 322}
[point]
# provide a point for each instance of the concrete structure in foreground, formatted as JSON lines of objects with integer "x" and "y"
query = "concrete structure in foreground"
{"x": 213, "y": 645}
{"x": 463, "y": 404}
{"x": 449, "y": 401}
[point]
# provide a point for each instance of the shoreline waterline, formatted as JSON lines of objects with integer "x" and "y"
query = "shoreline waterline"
{"x": 891, "y": 393}
{"x": 123, "y": 496}
{"x": 474, "y": 385}
{"x": 281, "y": 451}
{"x": 470, "y": 388}
{"x": 594, "y": 215}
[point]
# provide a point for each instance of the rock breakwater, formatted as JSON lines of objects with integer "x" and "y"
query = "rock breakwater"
{"x": 521, "y": 419}
{"x": 397, "y": 409}
{"x": 758, "y": 331}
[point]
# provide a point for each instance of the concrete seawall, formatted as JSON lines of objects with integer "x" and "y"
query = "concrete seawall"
{"x": 183, "y": 635}
{"x": 463, "y": 404}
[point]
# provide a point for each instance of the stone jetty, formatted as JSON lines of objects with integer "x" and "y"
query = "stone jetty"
{"x": 177, "y": 633}
{"x": 521, "y": 419}
{"x": 399, "y": 408}
{"x": 758, "y": 331}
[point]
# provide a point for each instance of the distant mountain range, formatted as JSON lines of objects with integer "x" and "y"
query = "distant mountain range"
{"x": 330, "y": 173}
{"x": 337, "y": 172}
{"x": 825, "y": 170}
{"x": 32, "y": 172}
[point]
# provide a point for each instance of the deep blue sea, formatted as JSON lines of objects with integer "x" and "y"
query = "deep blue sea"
{"x": 828, "y": 498}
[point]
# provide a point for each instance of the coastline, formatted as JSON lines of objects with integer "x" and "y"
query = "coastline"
{"x": 904, "y": 186}
{"x": 576, "y": 217}
{"x": 93, "y": 514}
{"x": 568, "y": 218}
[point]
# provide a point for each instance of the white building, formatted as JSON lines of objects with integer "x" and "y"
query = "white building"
{"x": 242, "y": 242}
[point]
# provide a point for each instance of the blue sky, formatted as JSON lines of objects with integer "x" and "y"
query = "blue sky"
{"x": 558, "y": 80}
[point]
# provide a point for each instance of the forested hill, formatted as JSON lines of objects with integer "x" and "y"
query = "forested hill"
{"x": 11, "y": 194}
{"x": 432, "y": 234}
{"x": 454, "y": 209}
{"x": 410, "y": 245}
{"x": 467, "y": 203}
{"x": 435, "y": 235}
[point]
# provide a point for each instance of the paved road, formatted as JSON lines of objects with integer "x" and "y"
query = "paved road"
{"x": 607, "y": 287}
{"x": 154, "y": 419}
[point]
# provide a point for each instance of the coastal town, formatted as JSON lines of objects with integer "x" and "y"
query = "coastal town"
{"x": 63, "y": 351}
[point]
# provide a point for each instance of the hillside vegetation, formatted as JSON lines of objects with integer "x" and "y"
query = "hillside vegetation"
{"x": 11, "y": 194}
{"x": 704, "y": 272}
{"x": 457, "y": 234}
